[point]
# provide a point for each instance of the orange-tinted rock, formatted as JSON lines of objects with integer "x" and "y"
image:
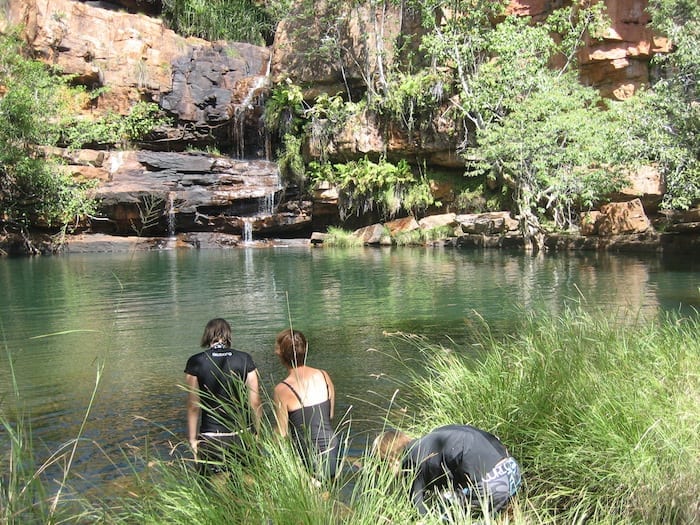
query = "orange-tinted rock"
{"x": 622, "y": 217}
{"x": 405, "y": 224}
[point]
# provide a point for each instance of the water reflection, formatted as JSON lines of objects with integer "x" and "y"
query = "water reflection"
{"x": 141, "y": 315}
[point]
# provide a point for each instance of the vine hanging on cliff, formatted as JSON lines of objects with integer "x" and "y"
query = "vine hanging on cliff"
{"x": 364, "y": 186}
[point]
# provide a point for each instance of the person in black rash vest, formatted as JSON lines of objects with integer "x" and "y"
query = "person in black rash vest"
{"x": 304, "y": 404}
{"x": 223, "y": 400}
{"x": 453, "y": 463}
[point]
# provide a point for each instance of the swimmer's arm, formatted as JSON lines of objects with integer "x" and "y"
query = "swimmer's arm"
{"x": 193, "y": 410}
{"x": 281, "y": 414}
{"x": 253, "y": 384}
{"x": 331, "y": 392}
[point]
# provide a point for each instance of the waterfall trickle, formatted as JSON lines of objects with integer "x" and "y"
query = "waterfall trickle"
{"x": 170, "y": 211}
{"x": 249, "y": 107}
{"x": 266, "y": 205}
{"x": 247, "y": 233}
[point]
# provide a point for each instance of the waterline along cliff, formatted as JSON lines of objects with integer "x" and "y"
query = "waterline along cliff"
{"x": 353, "y": 116}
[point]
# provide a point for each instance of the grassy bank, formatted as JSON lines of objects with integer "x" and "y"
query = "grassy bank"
{"x": 604, "y": 420}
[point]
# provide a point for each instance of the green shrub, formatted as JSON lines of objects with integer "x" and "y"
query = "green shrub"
{"x": 34, "y": 190}
{"x": 113, "y": 129}
{"x": 365, "y": 185}
{"x": 337, "y": 237}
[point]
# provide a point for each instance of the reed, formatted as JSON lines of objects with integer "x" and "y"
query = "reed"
{"x": 604, "y": 420}
{"x": 26, "y": 494}
{"x": 603, "y": 416}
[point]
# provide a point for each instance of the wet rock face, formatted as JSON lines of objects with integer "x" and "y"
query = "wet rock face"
{"x": 217, "y": 92}
{"x": 162, "y": 193}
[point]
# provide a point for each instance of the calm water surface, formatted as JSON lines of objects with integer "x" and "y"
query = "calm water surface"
{"x": 141, "y": 315}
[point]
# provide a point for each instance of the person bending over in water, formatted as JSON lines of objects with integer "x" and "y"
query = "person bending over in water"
{"x": 304, "y": 404}
{"x": 222, "y": 395}
{"x": 454, "y": 463}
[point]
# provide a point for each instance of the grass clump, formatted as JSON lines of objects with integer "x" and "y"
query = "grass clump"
{"x": 340, "y": 238}
{"x": 272, "y": 487}
{"x": 605, "y": 421}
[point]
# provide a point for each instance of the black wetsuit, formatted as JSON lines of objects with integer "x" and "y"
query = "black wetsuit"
{"x": 465, "y": 461}
{"x": 221, "y": 373}
{"x": 312, "y": 425}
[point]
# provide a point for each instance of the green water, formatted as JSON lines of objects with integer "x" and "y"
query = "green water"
{"x": 142, "y": 315}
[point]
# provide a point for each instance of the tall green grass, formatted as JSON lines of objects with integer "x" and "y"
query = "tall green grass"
{"x": 603, "y": 417}
{"x": 272, "y": 487}
{"x": 604, "y": 420}
{"x": 238, "y": 20}
{"x": 27, "y": 495}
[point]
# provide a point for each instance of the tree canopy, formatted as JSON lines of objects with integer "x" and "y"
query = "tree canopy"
{"x": 551, "y": 144}
{"x": 554, "y": 145}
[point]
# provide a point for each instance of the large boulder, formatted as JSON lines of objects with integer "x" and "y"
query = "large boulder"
{"x": 622, "y": 218}
{"x": 646, "y": 184}
{"x": 490, "y": 223}
{"x": 373, "y": 234}
{"x": 437, "y": 221}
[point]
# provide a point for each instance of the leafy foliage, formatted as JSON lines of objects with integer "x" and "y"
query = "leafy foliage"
{"x": 328, "y": 116}
{"x": 285, "y": 109}
{"x": 552, "y": 145}
{"x": 534, "y": 127}
{"x": 553, "y": 149}
{"x": 674, "y": 103}
{"x": 284, "y": 115}
{"x": 34, "y": 190}
{"x": 113, "y": 129}
{"x": 412, "y": 99}
{"x": 365, "y": 185}
{"x": 290, "y": 161}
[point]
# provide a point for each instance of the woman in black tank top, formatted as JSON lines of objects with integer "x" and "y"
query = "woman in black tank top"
{"x": 304, "y": 404}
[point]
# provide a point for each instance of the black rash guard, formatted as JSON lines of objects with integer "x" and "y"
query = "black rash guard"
{"x": 453, "y": 457}
{"x": 312, "y": 424}
{"x": 221, "y": 373}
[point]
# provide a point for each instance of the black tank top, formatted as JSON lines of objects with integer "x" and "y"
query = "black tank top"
{"x": 312, "y": 425}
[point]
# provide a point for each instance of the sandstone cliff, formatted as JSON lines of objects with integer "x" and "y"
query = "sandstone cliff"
{"x": 215, "y": 90}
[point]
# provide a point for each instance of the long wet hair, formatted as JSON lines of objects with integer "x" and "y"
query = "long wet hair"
{"x": 216, "y": 330}
{"x": 292, "y": 346}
